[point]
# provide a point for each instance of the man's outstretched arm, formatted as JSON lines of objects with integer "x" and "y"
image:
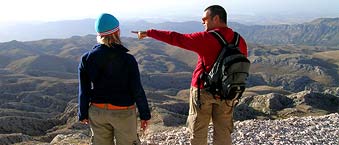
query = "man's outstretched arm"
{"x": 192, "y": 42}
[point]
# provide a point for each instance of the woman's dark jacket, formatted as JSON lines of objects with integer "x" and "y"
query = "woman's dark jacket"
{"x": 110, "y": 75}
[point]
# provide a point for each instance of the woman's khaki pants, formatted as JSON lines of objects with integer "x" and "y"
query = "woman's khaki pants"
{"x": 108, "y": 125}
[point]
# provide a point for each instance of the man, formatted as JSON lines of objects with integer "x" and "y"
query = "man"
{"x": 207, "y": 48}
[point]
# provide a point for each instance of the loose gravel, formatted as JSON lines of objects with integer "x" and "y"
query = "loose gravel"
{"x": 297, "y": 130}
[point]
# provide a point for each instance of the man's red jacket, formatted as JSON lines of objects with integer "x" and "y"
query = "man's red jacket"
{"x": 203, "y": 43}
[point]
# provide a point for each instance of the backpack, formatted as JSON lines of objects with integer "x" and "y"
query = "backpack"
{"x": 229, "y": 73}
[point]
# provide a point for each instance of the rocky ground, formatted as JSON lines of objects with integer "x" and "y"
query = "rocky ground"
{"x": 305, "y": 117}
{"x": 294, "y": 130}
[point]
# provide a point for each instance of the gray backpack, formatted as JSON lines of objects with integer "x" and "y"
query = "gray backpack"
{"x": 230, "y": 71}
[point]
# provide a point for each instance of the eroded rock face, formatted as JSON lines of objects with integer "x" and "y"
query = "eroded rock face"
{"x": 317, "y": 100}
{"x": 333, "y": 91}
{"x": 77, "y": 138}
{"x": 275, "y": 105}
{"x": 14, "y": 138}
{"x": 271, "y": 102}
{"x": 25, "y": 125}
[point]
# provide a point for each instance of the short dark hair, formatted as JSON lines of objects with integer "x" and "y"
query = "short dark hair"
{"x": 218, "y": 10}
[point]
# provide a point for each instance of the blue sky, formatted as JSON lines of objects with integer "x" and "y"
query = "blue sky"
{"x": 48, "y": 10}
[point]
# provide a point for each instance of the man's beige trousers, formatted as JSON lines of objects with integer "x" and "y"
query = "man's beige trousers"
{"x": 220, "y": 112}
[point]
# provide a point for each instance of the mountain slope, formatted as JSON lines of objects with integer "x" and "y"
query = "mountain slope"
{"x": 44, "y": 65}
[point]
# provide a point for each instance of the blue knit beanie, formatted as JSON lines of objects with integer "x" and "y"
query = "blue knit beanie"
{"x": 106, "y": 24}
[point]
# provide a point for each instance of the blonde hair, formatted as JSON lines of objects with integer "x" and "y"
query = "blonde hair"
{"x": 110, "y": 39}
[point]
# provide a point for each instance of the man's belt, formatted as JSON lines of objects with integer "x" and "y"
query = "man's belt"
{"x": 112, "y": 107}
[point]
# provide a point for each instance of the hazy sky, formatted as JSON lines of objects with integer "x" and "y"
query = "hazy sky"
{"x": 53, "y": 10}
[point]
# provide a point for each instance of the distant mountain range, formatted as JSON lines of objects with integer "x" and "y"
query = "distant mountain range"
{"x": 322, "y": 31}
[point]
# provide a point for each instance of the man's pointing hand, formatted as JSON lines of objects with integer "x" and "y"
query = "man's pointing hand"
{"x": 141, "y": 34}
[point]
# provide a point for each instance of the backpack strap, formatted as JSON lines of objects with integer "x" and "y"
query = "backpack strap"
{"x": 221, "y": 39}
{"x": 198, "y": 95}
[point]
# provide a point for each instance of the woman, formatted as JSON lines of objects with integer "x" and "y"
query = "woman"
{"x": 109, "y": 88}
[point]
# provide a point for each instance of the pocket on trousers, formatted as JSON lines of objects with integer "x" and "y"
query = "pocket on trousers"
{"x": 122, "y": 113}
{"x": 193, "y": 102}
{"x": 92, "y": 111}
{"x": 228, "y": 113}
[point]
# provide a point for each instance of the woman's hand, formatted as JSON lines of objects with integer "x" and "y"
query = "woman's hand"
{"x": 143, "y": 124}
{"x": 85, "y": 121}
